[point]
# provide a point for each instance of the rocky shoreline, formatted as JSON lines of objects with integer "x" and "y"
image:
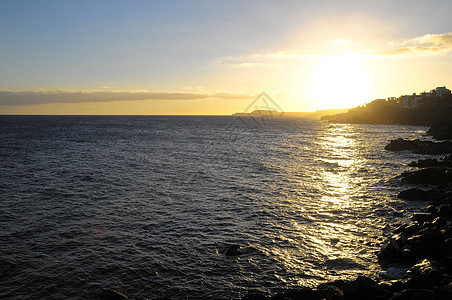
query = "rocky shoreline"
{"x": 424, "y": 243}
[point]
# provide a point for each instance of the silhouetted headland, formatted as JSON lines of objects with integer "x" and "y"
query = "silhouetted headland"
{"x": 275, "y": 113}
{"x": 434, "y": 107}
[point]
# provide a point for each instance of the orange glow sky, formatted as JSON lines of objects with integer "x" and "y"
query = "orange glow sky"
{"x": 215, "y": 57}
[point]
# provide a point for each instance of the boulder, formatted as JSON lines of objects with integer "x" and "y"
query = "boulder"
{"x": 422, "y": 217}
{"x": 413, "y": 194}
{"x": 446, "y": 248}
{"x": 427, "y": 176}
{"x": 429, "y": 243}
{"x": 425, "y": 274}
{"x": 364, "y": 288}
{"x": 391, "y": 252}
{"x": 403, "y": 144}
{"x": 426, "y": 163}
{"x": 441, "y": 131}
{"x": 412, "y": 228}
{"x": 415, "y": 294}
{"x": 302, "y": 293}
{"x": 334, "y": 293}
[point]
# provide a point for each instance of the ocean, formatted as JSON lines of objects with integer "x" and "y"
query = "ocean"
{"x": 147, "y": 204}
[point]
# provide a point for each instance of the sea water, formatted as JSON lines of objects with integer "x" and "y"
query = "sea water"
{"x": 147, "y": 204}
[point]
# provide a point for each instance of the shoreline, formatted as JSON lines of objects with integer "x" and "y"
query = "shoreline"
{"x": 418, "y": 254}
{"x": 423, "y": 244}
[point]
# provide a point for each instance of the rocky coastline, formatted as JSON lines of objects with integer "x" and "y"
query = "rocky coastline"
{"x": 424, "y": 243}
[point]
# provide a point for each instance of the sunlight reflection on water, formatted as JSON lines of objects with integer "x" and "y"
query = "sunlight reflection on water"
{"x": 148, "y": 204}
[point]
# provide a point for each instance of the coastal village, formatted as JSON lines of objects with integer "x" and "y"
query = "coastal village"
{"x": 438, "y": 96}
{"x": 426, "y": 108}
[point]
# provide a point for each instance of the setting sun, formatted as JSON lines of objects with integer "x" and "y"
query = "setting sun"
{"x": 340, "y": 81}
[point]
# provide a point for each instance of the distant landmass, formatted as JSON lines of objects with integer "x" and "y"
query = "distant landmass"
{"x": 275, "y": 113}
{"x": 427, "y": 108}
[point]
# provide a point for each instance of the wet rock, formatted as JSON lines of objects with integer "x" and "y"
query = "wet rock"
{"x": 426, "y": 163}
{"x": 401, "y": 228}
{"x": 428, "y": 176}
{"x": 412, "y": 194}
{"x": 429, "y": 244}
{"x": 447, "y": 291}
{"x": 364, "y": 288}
{"x": 431, "y": 209}
{"x": 303, "y": 293}
{"x": 439, "y": 223}
{"x": 415, "y": 294}
{"x": 334, "y": 293}
{"x": 412, "y": 228}
{"x": 113, "y": 295}
{"x": 442, "y": 131}
{"x": 398, "y": 213}
{"x": 447, "y": 159}
{"x": 420, "y": 147}
{"x": 236, "y": 250}
{"x": 403, "y": 144}
{"x": 425, "y": 274}
{"x": 422, "y": 217}
{"x": 445, "y": 211}
{"x": 392, "y": 286}
{"x": 446, "y": 248}
{"x": 391, "y": 252}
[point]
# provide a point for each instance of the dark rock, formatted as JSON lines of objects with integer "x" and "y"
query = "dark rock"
{"x": 400, "y": 228}
{"x": 442, "y": 131}
{"x": 413, "y": 194}
{"x": 439, "y": 222}
{"x": 440, "y": 194}
{"x": 446, "y": 248}
{"x": 113, "y": 295}
{"x": 303, "y": 293}
{"x": 429, "y": 244}
{"x": 403, "y": 144}
{"x": 447, "y": 159}
{"x": 334, "y": 293}
{"x": 398, "y": 213}
{"x": 445, "y": 211}
{"x": 413, "y": 294}
{"x": 428, "y": 176}
{"x": 447, "y": 291}
{"x": 422, "y": 217}
{"x": 412, "y": 228}
{"x": 420, "y": 147}
{"x": 236, "y": 250}
{"x": 431, "y": 209}
{"x": 426, "y": 163}
{"x": 400, "y": 239}
{"x": 364, "y": 288}
{"x": 391, "y": 252}
{"x": 425, "y": 274}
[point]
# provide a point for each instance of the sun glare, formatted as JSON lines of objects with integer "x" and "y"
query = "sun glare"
{"x": 340, "y": 81}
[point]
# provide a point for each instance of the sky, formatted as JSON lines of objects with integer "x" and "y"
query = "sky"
{"x": 216, "y": 57}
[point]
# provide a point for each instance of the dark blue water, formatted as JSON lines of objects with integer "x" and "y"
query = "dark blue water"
{"x": 146, "y": 205}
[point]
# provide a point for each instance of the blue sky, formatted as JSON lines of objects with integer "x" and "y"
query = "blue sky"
{"x": 180, "y": 46}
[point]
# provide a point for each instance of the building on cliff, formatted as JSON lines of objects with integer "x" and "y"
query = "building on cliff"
{"x": 438, "y": 96}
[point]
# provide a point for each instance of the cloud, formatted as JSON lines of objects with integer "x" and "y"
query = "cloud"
{"x": 62, "y": 96}
{"x": 422, "y": 45}
{"x": 428, "y": 44}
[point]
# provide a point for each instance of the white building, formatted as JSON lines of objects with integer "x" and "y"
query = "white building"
{"x": 440, "y": 91}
